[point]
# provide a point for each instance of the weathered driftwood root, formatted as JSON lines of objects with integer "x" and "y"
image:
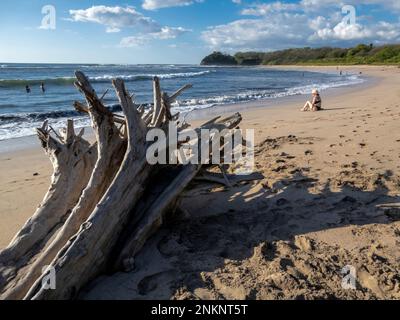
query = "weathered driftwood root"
{"x": 111, "y": 149}
{"x": 73, "y": 159}
{"x": 145, "y": 222}
{"x": 121, "y": 200}
{"x": 89, "y": 249}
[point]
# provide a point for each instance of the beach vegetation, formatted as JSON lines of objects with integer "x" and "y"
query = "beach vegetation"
{"x": 219, "y": 58}
{"x": 360, "y": 54}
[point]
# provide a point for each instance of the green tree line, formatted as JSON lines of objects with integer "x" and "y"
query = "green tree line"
{"x": 361, "y": 54}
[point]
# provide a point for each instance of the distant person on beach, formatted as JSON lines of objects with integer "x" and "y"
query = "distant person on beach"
{"x": 42, "y": 87}
{"x": 28, "y": 89}
{"x": 315, "y": 104}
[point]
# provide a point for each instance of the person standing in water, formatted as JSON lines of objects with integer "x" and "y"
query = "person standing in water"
{"x": 42, "y": 87}
{"x": 28, "y": 89}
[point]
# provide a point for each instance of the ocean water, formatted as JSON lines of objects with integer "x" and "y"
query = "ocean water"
{"x": 21, "y": 113}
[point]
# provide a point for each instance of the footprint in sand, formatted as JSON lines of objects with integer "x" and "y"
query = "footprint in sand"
{"x": 151, "y": 283}
{"x": 308, "y": 152}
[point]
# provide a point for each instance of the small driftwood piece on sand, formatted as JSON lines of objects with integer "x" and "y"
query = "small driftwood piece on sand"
{"x": 105, "y": 200}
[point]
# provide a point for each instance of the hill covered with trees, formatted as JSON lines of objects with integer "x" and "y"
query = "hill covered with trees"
{"x": 361, "y": 54}
{"x": 219, "y": 58}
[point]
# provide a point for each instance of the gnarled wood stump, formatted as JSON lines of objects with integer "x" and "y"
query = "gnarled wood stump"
{"x": 105, "y": 200}
{"x": 73, "y": 159}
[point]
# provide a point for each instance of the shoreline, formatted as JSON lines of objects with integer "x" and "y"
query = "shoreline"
{"x": 290, "y": 235}
{"x": 20, "y": 158}
{"x": 280, "y": 102}
{"x": 19, "y": 144}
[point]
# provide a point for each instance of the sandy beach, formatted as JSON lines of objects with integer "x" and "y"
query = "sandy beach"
{"x": 288, "y": 236}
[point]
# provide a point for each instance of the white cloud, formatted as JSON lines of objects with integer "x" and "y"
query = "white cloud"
{"x": 165, "y": 33}
{"x": 261, "y": 9}
{"x": 388, "y": 31}
{"x": 159, "y": 4}
{"x": 380, "y": 33}
{"x": 320, "y": 4}
{"x": 280, "y": 25}
{"x": 269, "y": 32}
{"x": 114, "y": 18}
{"x": 343, "y": 31}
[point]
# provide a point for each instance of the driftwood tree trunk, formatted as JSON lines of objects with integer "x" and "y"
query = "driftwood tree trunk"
{"x": 73, "y": 160}
{"x": 89, "y": 249}
{"x": 111, "y": 150}
{"x": 145, "y": 222}
{"x": 106, "y": 200}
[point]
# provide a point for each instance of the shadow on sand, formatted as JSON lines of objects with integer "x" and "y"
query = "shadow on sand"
{"x": 254, "y": 245}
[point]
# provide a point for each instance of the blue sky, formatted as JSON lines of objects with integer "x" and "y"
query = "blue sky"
{"x": 184, "y": 31}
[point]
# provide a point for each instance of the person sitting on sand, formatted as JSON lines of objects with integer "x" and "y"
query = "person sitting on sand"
{"x": 315, "y": 105}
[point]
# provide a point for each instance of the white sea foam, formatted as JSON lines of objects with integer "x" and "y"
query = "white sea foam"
{"x": 151, "y": 76}
{"x": 250, "y": 95}
{"x": 24, "y": 129}
{"x": 21, "y": 128}
{"x": 103, "y": 78}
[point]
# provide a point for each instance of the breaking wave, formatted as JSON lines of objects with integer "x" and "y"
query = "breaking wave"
{"x": 99, "y": 79}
